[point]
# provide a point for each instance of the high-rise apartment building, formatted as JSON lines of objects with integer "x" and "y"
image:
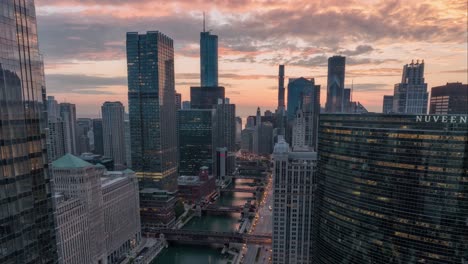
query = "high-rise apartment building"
{"x": 68, "y": 115}
{"x": 451, "y": 98}
{"x": 26, "y": 219}
{"x": 392, "y": 188}
{"x": 335, "y": 84}
{"x": 208, "y": 59}
{"x": 197, "y": 128}
{"x": 294, "y": 187}
{"x": 113, "y": 129}
{"x": 410, "y": 96}
{"x": 238, "y": 130}
{"x": 98, "y": 137}
{"x": 152, "y": 109}
{"x": 387, "y": 104}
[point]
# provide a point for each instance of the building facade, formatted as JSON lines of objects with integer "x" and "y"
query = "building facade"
{"x": 451, "y": 98}
{"x": 97, "y": 211}
{"x": 335, "y": 84}
{"x": 410, "y": 96}
{"x": 27, "y": 225}
{"x": 387, "y": 104}
{"x": 294, "y": 186}
{"x": 113, "y": 128}
{"x": 152, "y": 109}
{"x": 121, "y": 208}
{"x": 391, "y": 189}
{"x": 83, "y": 139}
{"x": 55, "y": 131}
{"x": 208, "y": 59}
{"x": 197, "y": 129}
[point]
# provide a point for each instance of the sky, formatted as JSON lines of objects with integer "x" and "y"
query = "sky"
{"x": 83, "y": 44}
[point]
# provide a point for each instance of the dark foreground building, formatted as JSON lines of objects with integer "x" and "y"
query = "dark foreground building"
{"x": 27, "y": 233}
{"x": 451, "y": 98}
{"x": 393, "y": 189}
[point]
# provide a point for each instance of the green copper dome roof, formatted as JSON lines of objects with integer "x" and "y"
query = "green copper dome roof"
{"x": 70, "y": 161}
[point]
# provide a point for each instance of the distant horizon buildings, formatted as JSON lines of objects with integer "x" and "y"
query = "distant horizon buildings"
{"x": 152, "y": 109}
{"x": 335, "y": 84}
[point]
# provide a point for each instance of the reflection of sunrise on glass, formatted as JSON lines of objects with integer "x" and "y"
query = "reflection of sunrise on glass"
{"x": 83, "y": 43}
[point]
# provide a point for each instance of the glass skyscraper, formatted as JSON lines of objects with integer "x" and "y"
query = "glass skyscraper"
{"x": 152, "y": 109}
{"x": 335, "y": 84}
{"x": 208, "y": 59}
{"x": 392, "y": 189}
{"x": 27, "y": 233}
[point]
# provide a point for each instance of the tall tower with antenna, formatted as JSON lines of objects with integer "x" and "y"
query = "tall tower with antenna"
{"x": 208, "y": 57}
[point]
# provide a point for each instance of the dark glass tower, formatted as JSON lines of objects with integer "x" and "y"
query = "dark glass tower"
{"x": 27, "y": 233}
{"x": 335, "y": 84}
{"x": 281, "y": 104}
{"x": 451, "y": 98}
{"x": 208, "y": 59}
{"x": 152, "y": 109}
{"x": 197, "y": 140}
{"x": 392, "y": 189}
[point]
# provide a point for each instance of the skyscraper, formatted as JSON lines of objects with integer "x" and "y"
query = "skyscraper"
{"x": 392, "y": 189}
{"x": 113, "y": 128}
{"x": 151, "y": 97}
{"x": 26, "y": 221}
{"x": 68, "y": 115}
{"x": 451, "y": 98}
{"x": 410, "y": 96}
{"x": 197, "y": 140}
{"x": 335, "y": 84}
{"x": 294, "y": 186}
{"x": 208, "y": 58}
{"x": 98, "y": 137}
{"x": 387, "y": 106}
{"x": 305, "y": 95}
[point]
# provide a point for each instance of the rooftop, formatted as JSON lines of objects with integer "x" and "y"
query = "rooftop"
{"x": 70, "y": 161}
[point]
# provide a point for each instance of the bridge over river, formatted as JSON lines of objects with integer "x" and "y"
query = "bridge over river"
{"x": 211, "y": 237}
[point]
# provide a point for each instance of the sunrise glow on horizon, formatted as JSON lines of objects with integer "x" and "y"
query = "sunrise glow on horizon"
{"x": 83, "y": 44}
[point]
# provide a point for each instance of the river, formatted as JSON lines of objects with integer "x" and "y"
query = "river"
{"x": 198, "y": 254}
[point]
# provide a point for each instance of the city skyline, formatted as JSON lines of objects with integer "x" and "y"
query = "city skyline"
{"x": 78, "y": 52}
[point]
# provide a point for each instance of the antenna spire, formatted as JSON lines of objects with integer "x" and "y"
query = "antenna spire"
{"x": 204, "y": 21}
